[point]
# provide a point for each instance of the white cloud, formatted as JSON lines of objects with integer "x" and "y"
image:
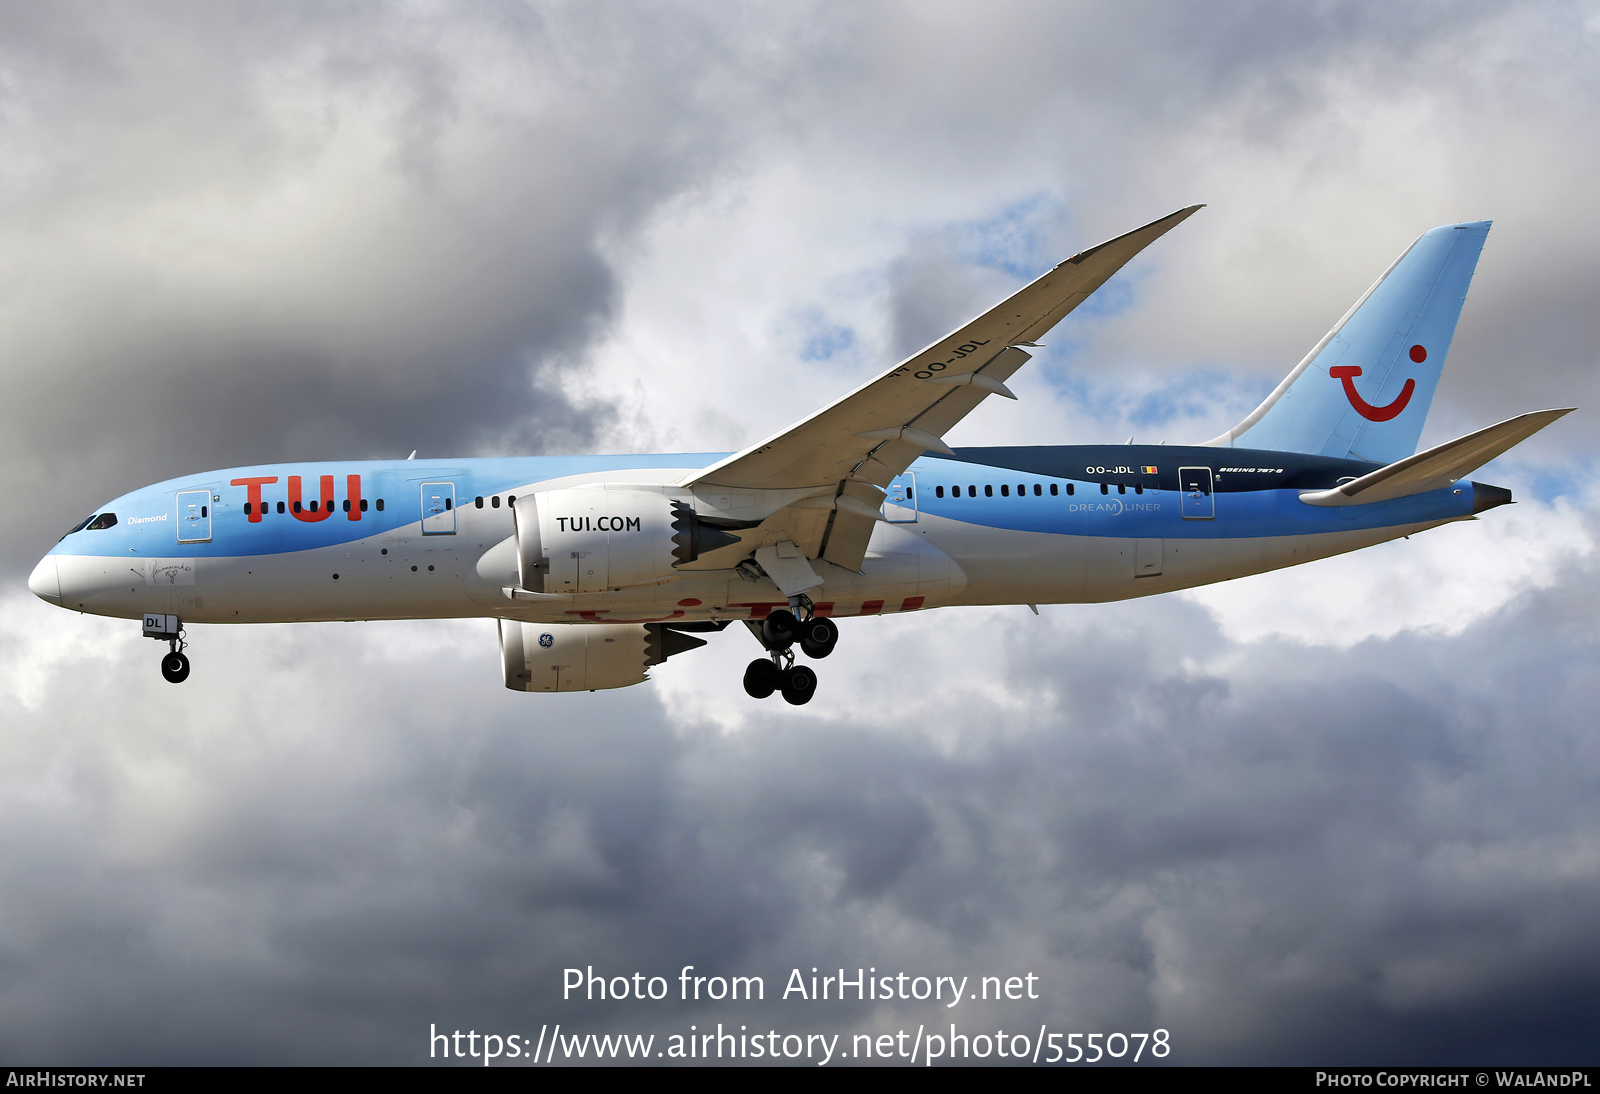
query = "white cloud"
{"x": 1440, "y": 581}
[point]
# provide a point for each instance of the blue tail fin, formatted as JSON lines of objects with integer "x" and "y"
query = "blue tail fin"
{"x": 1363, "y": 392}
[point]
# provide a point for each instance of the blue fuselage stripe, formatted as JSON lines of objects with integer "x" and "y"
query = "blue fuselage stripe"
{"x": 1254, "y": 494}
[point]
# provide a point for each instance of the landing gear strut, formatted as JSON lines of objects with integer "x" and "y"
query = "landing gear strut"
{"x": 169, "y": 629}
{"x": 779, "y": 632}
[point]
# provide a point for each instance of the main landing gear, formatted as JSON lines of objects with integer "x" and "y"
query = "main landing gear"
{"x": 169, "y": 629}
{"x": 779, "y": 632}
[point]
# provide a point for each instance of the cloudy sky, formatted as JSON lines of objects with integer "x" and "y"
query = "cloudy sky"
{"x": 1346, "y": 813}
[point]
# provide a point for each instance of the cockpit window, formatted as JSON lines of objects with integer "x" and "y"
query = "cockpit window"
{"x": 80, "y": 526}
{"x": 103, "y": 521}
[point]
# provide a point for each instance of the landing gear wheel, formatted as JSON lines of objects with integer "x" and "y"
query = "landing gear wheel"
{"x": 762, "y": 678}
{"x": 175, "y": 667}
{"x": 779, "y": 629}
{"x": 799, "y": 685}
{"x": 817, "y": 637}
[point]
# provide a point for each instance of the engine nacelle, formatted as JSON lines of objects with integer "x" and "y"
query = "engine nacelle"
{"x": 585, "y": 656}
{"x": 593, "y": 539}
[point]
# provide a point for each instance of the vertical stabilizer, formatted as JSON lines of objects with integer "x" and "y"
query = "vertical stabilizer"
{"x": 1363, "y": 392}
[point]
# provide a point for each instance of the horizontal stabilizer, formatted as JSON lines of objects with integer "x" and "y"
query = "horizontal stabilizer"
{"x": 1439, "y": 466}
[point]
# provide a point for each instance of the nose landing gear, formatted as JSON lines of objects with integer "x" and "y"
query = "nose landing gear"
{"x": 169, "y": 629}
{"x": 175, "y": 667}
{"x": 779, "y": 632}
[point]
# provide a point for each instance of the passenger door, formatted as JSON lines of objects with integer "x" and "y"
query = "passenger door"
{"x": 900, "y": 500}
{"x": 1194, "y": 483}
{"x": 438, "y": 508}
{"x": 194, "y": 516}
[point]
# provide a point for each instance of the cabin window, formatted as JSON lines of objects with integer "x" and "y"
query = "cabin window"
{"x": 297, "y": 506}
{"x": 478, "y": 501}
{"x": 908, "y": 494}
{"x": 447, "y": 501}
{"x": 380, "y": 505}
{"x": 1122, "y": 488}
{"x": 1054, "y": 489}
{"x": 511, "y": 499}
{"x": 246, "y": 509}
{"x": 363, "y": 505}
{"x": 1138, "y": 488}
{"x": 280, "y": 507}
{"x": 313, "y": 505}
{"x": 938, "y": 491}
{"x": 1071, "y": 489}
{"x": 1005, "y": 490}
{"x": 495, "y": 501}
{"x": 972, "y": 491}
{"x": 346, "y": 505}
{"x": 1022, "y": 488}
{"x": 1038, "y": 491}
{"x": 1104, "y": 489}
{"x": 102, "y": 522}
{"x": 988, "y": 491}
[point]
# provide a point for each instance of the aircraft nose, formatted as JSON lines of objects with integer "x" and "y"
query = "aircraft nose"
{"x": 45, "y": 582}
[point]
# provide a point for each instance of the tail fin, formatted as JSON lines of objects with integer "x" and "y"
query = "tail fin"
{"x": 1363, "y": 392}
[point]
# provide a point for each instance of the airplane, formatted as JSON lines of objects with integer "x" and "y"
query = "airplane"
{"x": 600, "y": 567}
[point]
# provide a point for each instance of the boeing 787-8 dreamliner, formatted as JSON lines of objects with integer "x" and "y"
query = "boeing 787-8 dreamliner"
{"x": 599, "y": 567}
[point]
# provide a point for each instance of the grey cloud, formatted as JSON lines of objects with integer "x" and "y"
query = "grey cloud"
{"x": 931, "y": 291}
{"x": 322, "y": 233}
{"x": 1365, "y": 857}
{"x": 1133, "y": 111}
{"x": 241, "y": 234}
{"x": 1528, "y": 338}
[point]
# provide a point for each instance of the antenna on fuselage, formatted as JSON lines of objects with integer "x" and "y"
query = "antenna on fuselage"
{"x": 413, "y": 454}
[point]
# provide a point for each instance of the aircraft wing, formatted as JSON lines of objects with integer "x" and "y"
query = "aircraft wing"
{"x": 844, "y": 454}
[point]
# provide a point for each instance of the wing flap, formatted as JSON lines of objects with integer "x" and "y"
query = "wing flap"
{"x": 944, "y": 414}
{"x": 857, "y": 515}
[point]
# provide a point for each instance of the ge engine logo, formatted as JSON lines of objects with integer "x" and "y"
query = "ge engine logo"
{"x": 546, "y": 640}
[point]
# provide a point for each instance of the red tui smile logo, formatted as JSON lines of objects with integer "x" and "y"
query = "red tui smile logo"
{"x": 1347, "y": 374}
